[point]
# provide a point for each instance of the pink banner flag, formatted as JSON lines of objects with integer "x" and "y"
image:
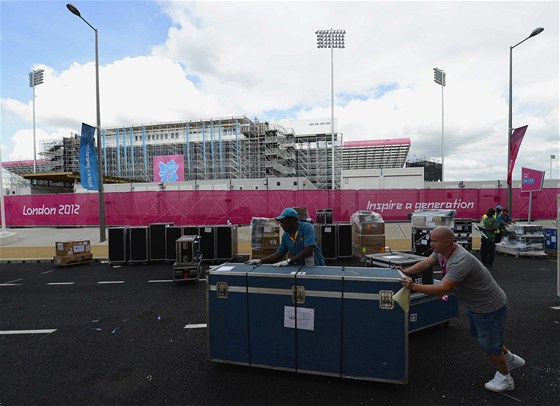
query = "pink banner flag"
{"x": 515, "y": 143}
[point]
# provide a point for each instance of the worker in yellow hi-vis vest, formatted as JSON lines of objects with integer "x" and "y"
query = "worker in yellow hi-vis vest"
{"x": 497, "y": 234}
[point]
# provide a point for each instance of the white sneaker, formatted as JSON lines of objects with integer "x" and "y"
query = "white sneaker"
{"x": 500, "y": 383}
{"x": 515, "y": 362}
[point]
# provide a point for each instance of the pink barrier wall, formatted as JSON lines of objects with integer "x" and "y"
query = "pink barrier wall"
{"x": 239, "y": 206}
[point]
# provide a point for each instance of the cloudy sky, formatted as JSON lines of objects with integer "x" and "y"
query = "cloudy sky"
{"x": 180, "y": 60}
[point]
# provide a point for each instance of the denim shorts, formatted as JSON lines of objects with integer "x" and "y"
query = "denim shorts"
{"x": 488, "y": 328}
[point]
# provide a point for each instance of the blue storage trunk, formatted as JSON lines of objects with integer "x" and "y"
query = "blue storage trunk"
{"x": 375, "y": 325}
{"x": 427, "y": 310}
{"x": 344, "y": 322}
{"x": 228, "y": 327}
{"x": 319, "y": 320}
{"x": 269, "y": 291}
{"x": 551, "y": 238}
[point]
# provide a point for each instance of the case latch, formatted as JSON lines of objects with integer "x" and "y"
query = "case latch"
{"x": 298, "y": 294}
{"x": 386, "y": 300}
{"x": 222, "y": 290}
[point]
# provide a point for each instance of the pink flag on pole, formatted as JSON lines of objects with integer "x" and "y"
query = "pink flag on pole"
{"x": 515, "y": 143}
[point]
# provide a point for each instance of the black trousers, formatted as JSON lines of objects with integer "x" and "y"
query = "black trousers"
{"x": 487, "y": 250}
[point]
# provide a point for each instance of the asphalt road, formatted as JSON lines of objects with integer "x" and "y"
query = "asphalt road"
{"x": 120, "y": 339}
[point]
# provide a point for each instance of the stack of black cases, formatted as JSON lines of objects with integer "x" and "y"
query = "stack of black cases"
{"x": 425, "y": 310}
{"x": 326, "y": 240}
{"x": 463, "y": 233}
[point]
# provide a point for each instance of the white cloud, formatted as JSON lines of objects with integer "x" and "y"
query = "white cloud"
{"x": 260, "y": 59}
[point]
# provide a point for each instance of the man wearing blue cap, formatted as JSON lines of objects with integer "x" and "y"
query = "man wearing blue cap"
{"x": 298, "y": 239}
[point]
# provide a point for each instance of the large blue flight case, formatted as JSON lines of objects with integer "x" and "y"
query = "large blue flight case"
{"x": 336, "y": 321}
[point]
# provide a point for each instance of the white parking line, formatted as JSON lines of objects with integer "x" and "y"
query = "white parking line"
{"x": 160, "y": 280}
{"x": 109, "y": 282}
{"x": 60, "y": 283}
{"x": 52, "y": 270}
{"x": 196, "y": 325}
{"x": 10, "y": 282}
{"x": 13, "y": 332}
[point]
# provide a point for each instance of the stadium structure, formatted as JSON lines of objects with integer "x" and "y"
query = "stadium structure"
{"x": 222, "y": 148}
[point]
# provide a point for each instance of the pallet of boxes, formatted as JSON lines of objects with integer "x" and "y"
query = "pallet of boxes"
{"x": 368, "y": 234}
{"x": 72, "y": 253}
{"x": 265, "y": 237}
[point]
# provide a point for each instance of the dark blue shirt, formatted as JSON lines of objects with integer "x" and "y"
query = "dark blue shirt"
{"x": 304, "y": 237}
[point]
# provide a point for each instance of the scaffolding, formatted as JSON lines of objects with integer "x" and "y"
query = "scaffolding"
{"x": 210, "y": 149}
{"x": 225, "y": 148}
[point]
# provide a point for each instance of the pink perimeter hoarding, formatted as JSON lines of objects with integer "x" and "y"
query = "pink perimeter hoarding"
{"x": 239, "y": 206}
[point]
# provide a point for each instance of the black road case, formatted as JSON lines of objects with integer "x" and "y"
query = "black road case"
{"x": 138, "y": 244}
{"x": 117, "y": 245}
{"x": 172, "y": 233}
{"x": 157, "y": 241}
{"x": 226, "y": 242}
{"x": 403, "y": 260}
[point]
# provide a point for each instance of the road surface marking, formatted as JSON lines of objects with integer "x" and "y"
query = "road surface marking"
{"x": 195, "y": 326}
{"x": 11, "y": 282}
{"x": 160, "y": 280}
{"x": 109, "y": 282}
{"x": 13, "y": 332}
{"x": 60, "y": 283}
{"x": 52, "y": 270}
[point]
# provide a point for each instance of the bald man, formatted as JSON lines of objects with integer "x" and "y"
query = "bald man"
{"x": 484, "y": 300}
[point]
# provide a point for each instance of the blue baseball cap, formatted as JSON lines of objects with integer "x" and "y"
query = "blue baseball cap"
{"x": 499, "y": 207}
{"x": 289, "y": 212}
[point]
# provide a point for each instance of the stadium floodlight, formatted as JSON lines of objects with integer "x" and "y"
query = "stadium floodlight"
{"x": 331, "y": 39}
{"x": 35, "y": 78}
{"x": 439, "y": 78}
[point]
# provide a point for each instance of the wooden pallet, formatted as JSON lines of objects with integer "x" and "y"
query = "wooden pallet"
{"x": 65, "y": 261}
{"x": 504, "y": 250}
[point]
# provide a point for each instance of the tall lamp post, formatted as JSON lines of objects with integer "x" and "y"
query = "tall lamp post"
{"x": 35, "y": 78}
{"x": 75, "y": 11}
{"x": 331, "y": 39}
{"x": 551, "y": 158}
{"x": 439, "y": 78}
{"x": 536, "y": 31}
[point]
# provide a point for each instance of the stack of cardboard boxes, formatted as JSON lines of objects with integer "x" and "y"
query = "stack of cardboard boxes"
{"x": 265, "y": 237}
{"x": 72, "y": 252}
{"x": 368, "y": 233}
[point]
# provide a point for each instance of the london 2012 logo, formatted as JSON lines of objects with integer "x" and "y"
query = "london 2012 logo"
{"x": 168, "y": 171}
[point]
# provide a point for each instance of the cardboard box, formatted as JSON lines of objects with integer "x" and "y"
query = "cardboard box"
{"x": 271, "y": 243}
{"x": 369, "y": 228}
{"x": 363, "y": 245}
{"x": 72, "y": 247}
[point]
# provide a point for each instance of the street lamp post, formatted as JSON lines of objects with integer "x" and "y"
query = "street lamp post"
{"x": 331, "y": 39}
{"x": 76, "y": 12}
{"x": 439, "y": 78}
{"x": 536, "y": 31}
{"x": 35, "y": 78}
{"x": 551, "y": 158}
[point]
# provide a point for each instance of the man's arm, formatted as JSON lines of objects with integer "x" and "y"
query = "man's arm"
{"x": 441, "y": 289}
